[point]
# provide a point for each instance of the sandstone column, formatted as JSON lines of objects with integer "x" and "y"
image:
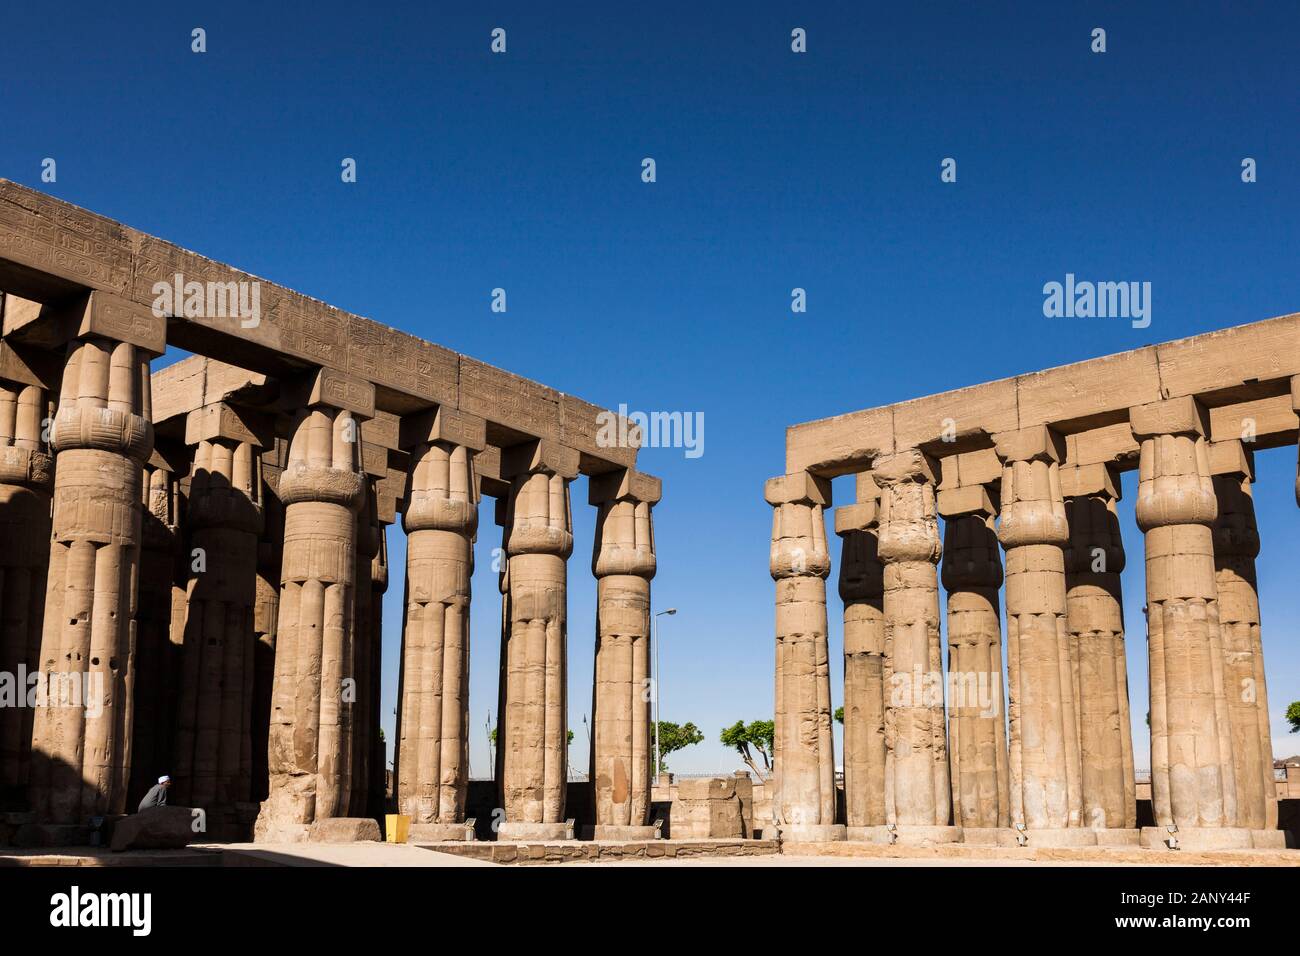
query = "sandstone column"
{"x": 862, "y": 588}
{"x": 532, "y": 729}
{"x": 1095, "y": 619}
{"x": 359, "y": 730}
{"x": 266, "y": 612}
{"x": 321, "y": 488}
{"x": 441, "y": 521}
{"x": 1046, "y": 788}
{"x": 1236, "y": 545}
{"x": 213, "y": 766}
{"x": 1193, "y": 783}
{"x": 102, "y": 436}
{"x": 160, "y": 627}
{"x": 623, "y": 562}
{"x": 917, "y": 789}
{"x": 977, "y": 736}
{"x": 26, "y": 480}
{"x": 803, "y": 802}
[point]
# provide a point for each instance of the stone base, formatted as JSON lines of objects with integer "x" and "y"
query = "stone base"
{"x": 1118, "y": 837}
{"x": 158, "y": 828}
{"x": 1198, "y": 838}
{"x": 1268, "y": 839}
{"x": 810, "y": 833}
{"x": 989, "y": 836}
{"x": 440, "y": 833}
{"x": 624, "y": 834}
{"x": 1061, "y": 836}
{"x": 344, "y": 830}
{"x": 51, "y": 834}
{"x": 927, "y": 836}
{"x": 267, "y": 832}
{"x": 514, "y": 832}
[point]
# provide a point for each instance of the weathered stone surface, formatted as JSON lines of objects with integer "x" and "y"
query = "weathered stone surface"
{"x": 344, "y": 830}
{"x": 158, "y": 828}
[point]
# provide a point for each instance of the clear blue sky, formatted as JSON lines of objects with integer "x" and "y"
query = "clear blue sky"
{"x": 775, "y": 170}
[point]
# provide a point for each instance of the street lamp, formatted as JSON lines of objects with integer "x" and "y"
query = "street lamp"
{"x": 671, "y": 610}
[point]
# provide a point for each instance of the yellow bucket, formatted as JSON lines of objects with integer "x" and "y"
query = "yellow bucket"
{"x": 397, "y": 826}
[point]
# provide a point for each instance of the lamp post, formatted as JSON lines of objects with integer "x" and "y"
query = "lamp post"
{"x": 671, "y": 610}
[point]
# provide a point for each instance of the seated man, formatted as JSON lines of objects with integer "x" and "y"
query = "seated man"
{"x": 157, "y": 795}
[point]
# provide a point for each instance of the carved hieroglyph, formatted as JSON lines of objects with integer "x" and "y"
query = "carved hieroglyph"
{"x": 804, "y": 774}
{"x": 26, "y": 480}
{"x": 441, "y": 521}
{"x": 917, "y": 789}
{"x": 102, "y": 436}
{"x": 1044, "y": 752}
{"x": 532, "y": 725}
{"x": 1236, "y": 545}
{"x": 623, "y": 562}
{"x": 1193, "y": 780}
{"x": 321, "y": 489}
{"x": 977, "y": 738}
{"x": 1094, "y": 559}
{"x": 862, "y": 588}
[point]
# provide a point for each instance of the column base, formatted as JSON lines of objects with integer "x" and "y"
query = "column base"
{"x": 1268, "y": 839}
{"x": 620, "y": 834}
{"x": 514, "y": 832}
{"x": 989, "y": 836}
{"x": 810, "y": 832}
{"x": 1199, "y": 838}
{"x": 34, "y": 835}
{"x": 905, "y": 835}
{"x": 1061, "y": 836}
{"x": 1118, "y": 836}
{"x": 441, "y": 833}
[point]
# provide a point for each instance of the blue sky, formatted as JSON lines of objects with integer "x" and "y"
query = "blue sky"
{"x": 774, "y": 170}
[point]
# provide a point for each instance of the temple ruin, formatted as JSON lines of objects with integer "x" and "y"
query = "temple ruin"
{"x": 1026, "y": 471}
{"x": 204, "y": 546}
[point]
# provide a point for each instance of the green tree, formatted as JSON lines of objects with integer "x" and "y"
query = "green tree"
{"x": 492, "y": 736}
{"x": 1293, "y": 716}
{"x": 757, "y": 735}
{"x": 839, "y": 715}
{"x": 674, "y": 737}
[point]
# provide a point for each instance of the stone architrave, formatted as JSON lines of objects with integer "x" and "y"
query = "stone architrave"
{"x": 803, "y": 804}
{"x": 623, "y": 562}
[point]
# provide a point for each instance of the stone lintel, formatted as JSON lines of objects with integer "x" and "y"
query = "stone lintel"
{"x": 100, "y": 314}
{"x": 1295, "y": 393}
{"x": 487, "y": 466}
{"x": 25, "y": 365}
{"x": 1174, "y": 416}
{"x": 800, "y": 488}
{"x": 1079, "y": 481}
{"x": 222, "y": 420}
{"x": 857, "y": 517}
{"x": 910, "y": 465}
{"x": 1036, "y": 443}
{"x": 540, "y": 454}
{"x": 443, "y": 423}
{"x": 865, "y": 487}
{"x": 374, "y": 459}
{"x": 383, "y": 429}
{"x": 333, "y": 389}
{"x": 1232, "y": 457}
{"x": 970, "y": 500}
{"x": 625, "y": 484}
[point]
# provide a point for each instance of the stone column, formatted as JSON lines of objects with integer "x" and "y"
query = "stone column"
{"x": 375, "y": 784}
{"x": 359, "y": 727}
{"x": 1094, "y": 559}
{"x": 1236, "y": 545}
{"x": 1046, "y": 777}
{"x": 623, "y": 561}
{"x": 862, "y": 588}
{"x": 26, "y": 480}
{"x": 1193, "y": 780}
{"x": 977, "y": 736}
{"x": 803, "y": 802}
{"x": 918, "y": 798}
{"x": 532, "y": 729}
{"x": 266, "y": 613}
{"x": 213, "y": 765}
{"x": 160, "y": 627}
{"x": 441, "y": 521}
{"x": 321, "y": 488}
{"x": 102, "y": 436}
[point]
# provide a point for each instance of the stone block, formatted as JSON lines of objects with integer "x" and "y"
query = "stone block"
{"x": 344, "y": 830}
{"x": 158, "y": 828}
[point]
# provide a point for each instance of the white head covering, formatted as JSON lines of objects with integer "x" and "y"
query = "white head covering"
{"x": 164, "y": 778}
